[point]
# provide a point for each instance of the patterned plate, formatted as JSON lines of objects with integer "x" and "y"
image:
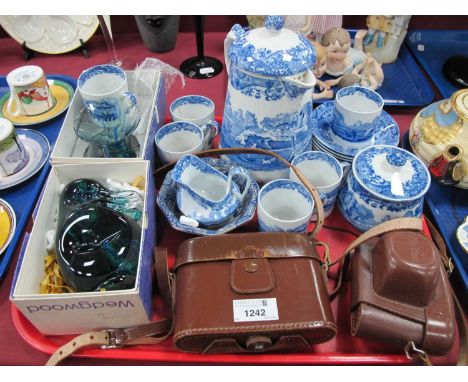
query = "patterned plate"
{"x": 38, "y": 148}
{"x": 51, "y": 34}
{"x": 167, "y": 202}
{"x": 62, "y": 92}
{"x": 387, "y": 132}
{"x": 7, "y": 224}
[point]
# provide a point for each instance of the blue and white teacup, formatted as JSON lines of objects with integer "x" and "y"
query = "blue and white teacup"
{"x": 284, "y": 205}
{"x": 206, "y": 195}
{"x": 356, "y": 114}
{"x": 325, "y": 173}
{"x": 177, "y": 139}
{"x": 105, "y": 94}
{"x": 197, "y": 109}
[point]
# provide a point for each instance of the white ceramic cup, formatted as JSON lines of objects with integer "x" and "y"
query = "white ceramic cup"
{"x": 325, "y": 173}
{"x": 193, "y": 108}
{"x": 284, "y": 205}
{"x": 105, "y": 94}
{"x": 356, "y": 114}
{"x": 13, "y": 155}
{"x": 29, "y": 91}
{"x": 177, "y": 139}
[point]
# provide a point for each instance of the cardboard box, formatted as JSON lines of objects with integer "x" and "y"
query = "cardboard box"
{"x": 152, "y": 103}
{"x": 71, "y": 313}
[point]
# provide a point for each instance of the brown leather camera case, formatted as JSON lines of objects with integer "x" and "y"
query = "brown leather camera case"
{"x": 401, "y": 293}
{"x": 213, "y": 272}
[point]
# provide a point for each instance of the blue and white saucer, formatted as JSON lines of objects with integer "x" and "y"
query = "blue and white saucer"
{"x": 167, "y": 203}
{"x": 386, "y": 133}
{"x": 38, "y": 148}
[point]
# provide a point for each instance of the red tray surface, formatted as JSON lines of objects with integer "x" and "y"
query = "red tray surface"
{"x": 343, "y": 349}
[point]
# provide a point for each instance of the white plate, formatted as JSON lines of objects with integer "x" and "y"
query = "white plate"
{"x": 51, "y": 34}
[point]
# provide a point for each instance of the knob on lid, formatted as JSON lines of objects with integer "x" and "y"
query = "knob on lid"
{"x": 271, "y": 50}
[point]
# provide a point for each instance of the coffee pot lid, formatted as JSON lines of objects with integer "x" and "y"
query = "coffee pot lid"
{"x": 391, "y": 173}
{"x": 271, "y": 50}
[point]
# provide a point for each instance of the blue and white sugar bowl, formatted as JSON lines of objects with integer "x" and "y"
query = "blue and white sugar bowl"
{"x": 205, "y": 195}
{"x": 385, "y": 183}
{"x": 269, "y": 96}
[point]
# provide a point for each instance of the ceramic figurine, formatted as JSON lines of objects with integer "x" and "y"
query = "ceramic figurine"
{"x": 319, "y": 70}
{"x": 341, "y": 57}
{"x": 368, "y": 74}
{"x": 319, "y": 24}
{"x": 385, "y": 183}
{"x": 439, "y": 136}
{"x": 385, "y": 35}
{"x": 269, "y": 96}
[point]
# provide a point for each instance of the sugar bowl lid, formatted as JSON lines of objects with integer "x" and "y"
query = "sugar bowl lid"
{"x": 391, "y": 173}
{"x": 271, "y": 50}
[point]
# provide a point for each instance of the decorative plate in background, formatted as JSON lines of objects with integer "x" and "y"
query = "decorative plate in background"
{"x": 7, "y": 224}
{"x": 51, "y": 34}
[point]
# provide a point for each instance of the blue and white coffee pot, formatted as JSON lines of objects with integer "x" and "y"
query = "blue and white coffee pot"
{"x": 269, "y": 95}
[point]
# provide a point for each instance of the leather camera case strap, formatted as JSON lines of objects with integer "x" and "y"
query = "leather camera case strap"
{"x": 212, "y": 272}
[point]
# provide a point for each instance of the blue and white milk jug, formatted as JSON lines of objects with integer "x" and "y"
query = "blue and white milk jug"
{"x": 269, "y": 95}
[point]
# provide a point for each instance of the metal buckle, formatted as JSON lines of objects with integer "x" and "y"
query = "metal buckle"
{"x": 416, "y": 352}
{"x": 117, "y": 338}
{"x": 451, "y": 267}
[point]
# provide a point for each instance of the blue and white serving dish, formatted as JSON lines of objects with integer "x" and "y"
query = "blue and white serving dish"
{"x": 386, "y": 132}
{"x": 385, "y": 183}
{"x": 167, "y": 202}
{"x": 206, "y": 195}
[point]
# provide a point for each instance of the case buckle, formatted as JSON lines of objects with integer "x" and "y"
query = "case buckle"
{"x": 117, "y": 338}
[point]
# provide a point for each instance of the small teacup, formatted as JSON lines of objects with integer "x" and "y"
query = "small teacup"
{"x": 284, "y": 205}
{"x": 105, "y": 94}
{"x": 13, "y": 155}
{"x": 29, "y": 91}
{"x": 177, "y": 139}
{"x": 356, "y": 113}
{"x": 193, "y": 108}
{"x": 325, "y": 173}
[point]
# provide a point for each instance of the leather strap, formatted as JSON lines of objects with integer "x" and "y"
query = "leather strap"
{"x": 148, "y": 334}
{"x": 413, "y": 224}
{"x": 230, "y": 151}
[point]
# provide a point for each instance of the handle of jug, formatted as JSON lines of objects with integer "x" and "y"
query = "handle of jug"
{"x": 239, "y": 171}
{"x": 235, "y": 32}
